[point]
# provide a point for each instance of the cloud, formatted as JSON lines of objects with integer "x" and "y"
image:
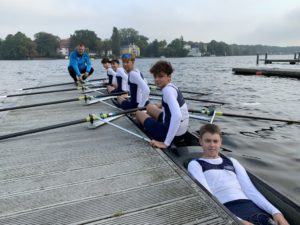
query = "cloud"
{"x": 232, "y": 21}
{"x": 283, "y": 31}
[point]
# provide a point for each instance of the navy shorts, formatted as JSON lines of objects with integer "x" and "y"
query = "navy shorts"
{"x": 247, "y": 210}
{"x": 155, "y": 128}
{"x": 127, "y": 104}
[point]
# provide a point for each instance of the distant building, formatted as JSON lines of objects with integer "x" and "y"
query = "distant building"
{"x": 187, "y": 47}
{"x": 132, "y": 48}
{"x": 194, "y": 52}
{"x": 65, "y": 47}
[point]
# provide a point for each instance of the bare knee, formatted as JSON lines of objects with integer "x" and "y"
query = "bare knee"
{"x": 153, "y": 111}
{"x": 120, "y": 99}
{"x": 110, "y": 88}
{"x": 141, "y": 116}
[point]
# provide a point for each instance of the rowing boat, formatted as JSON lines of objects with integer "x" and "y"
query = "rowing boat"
{"x": 181, "y": 153}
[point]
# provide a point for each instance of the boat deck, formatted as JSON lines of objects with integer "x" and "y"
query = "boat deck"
{"x": 74, "y": 175}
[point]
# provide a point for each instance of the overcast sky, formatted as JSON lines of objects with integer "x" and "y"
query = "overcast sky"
{"x": 269, "y": 22}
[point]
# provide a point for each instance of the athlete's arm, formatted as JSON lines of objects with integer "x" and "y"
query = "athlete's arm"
{"x": 250, "y": 190}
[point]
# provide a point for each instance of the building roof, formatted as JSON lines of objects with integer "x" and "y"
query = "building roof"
{"x": 65, "y": 43}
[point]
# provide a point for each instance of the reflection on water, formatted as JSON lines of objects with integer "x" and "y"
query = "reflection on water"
{"x": 269, "y": 149}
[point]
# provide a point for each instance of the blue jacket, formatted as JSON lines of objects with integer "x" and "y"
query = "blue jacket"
{"x": 80, "y": 62}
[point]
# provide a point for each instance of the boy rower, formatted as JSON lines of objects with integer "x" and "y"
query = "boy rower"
{"x": 121, "y": 77}
{"x": 111, "y": 74}
{"x": 172, "y": 120}
{"x": 139, "y": 90}
{"x": 229, "y": 182}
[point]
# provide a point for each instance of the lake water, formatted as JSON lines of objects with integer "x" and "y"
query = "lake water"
{"x": 269, "y": 149}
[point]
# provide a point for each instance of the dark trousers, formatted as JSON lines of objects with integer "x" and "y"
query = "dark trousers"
{"x": 247, "y": 210}
{"x": 73, "y": 73}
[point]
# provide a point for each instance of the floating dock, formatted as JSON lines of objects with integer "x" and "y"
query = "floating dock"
{"x": 74, "y": 175}
{"x": 260, "y": 71}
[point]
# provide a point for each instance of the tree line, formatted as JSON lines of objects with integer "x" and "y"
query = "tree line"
{"x": 46, "y": 45}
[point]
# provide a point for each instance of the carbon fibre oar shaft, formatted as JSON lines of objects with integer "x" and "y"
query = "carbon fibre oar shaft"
{"x": 218, "y": 113}
{"x": 45, "y": 92}
{"x": 90, "y": 118}
{"x": 54, "y": 85}
{"x": 81, "y": 98}
{"x": 154, "y": 87}
{"x": 194, "y": 99}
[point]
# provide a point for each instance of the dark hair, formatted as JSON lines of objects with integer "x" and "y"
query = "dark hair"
{"x": 105, "y": 60}
{"x": 115, "y": 61}
{"x": 210, "y": 128}
{"x": 162, "y": 66}
{"x": 81, "y": 45}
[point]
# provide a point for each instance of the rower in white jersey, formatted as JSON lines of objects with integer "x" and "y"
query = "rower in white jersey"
{"x": 111, "y": 74}
{"x": 121, "y": 77}
{"x": 229, "y": 182}
{"x": 167, "y": 121}
{"x": 139, "y": 90}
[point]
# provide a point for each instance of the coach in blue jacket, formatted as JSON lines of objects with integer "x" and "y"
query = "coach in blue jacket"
{"x": 80, "y": 66}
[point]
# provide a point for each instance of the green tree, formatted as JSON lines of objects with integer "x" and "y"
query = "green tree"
{"x": 18, "y": 46}
{"x": 176, "y": 48}
{"x": 1, "y": 42}
{"x": 106, "y": 46}
{"x": 212, "y": 47}
{"x": 86, "y": 37}
{"x": 115, "y": 42}
{"x": 47, "y": 44}
{"x": 153, "y": 49}
{"x": 142, "y": 42}
{"x": 131, "y": 36}
{"x": 99, "y": 47}
{"x": 156, "y": 48}
{"x": 128, "y": 36}
{"x": 219, "y": 48}
{"x": 203, "y": 48}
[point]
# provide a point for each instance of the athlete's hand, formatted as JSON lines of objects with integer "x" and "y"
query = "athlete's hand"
{"x": 279, "y": 219}
{"x": 86, "y": 74}
{"x": 158, "y": 144}
{"x": 80, "y": 78}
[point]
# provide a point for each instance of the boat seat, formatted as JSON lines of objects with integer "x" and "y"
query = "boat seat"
{"x": 183, "y": 155}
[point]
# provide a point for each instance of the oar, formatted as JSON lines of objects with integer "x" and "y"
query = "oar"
{"x": 80, "y": 98}
{"x": 60, "y": 84}
{"x": 45, "y": 92}
{"x": 90, "y": 118}
{"x": 194, "y": 99}
{"x": 218, "y": 113}
{"x": 153, "y": 87}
